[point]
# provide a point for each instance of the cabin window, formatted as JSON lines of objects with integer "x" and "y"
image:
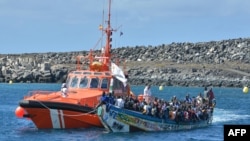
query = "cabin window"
{"x": 104, "y": 83}
{"x": 67, "y": 82}
{"x": 87, "y": 73}
{"x": 73, "y": 83}
{"x": 83, "y": 82}
{"x": 108, "y": 74}
{"x": 117, "y": 84}
{"x": 77, "y": 72}
{"x": 97, "y": 73}
{"x": 94, "y": 83}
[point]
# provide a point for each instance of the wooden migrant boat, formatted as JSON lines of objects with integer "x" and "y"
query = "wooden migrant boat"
{"x": 125, "y": 119}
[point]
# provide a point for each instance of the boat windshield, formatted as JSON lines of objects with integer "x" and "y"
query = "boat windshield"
{"x": 94, "y": 82}
{"x": 73, "y": 83}
{"x": 87, "y": 82}
{"x": 84, "y": 82}
{"x": 104, "y": 84}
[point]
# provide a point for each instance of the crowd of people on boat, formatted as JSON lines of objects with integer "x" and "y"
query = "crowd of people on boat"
{"x": 194, "y": 108}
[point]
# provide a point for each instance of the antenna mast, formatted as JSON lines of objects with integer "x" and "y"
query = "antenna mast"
{"x": 108, "y": 30}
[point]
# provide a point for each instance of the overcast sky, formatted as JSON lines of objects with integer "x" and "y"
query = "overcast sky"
{"x": 34, "y": 26}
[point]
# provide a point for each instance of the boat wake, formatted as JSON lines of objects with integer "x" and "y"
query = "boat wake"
{"x": 227, "y": 116}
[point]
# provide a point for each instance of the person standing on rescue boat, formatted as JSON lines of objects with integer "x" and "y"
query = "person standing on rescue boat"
{"x": 64, "y": 90}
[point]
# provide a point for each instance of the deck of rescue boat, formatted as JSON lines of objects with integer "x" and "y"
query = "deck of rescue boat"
{"x": 87, "y": 97}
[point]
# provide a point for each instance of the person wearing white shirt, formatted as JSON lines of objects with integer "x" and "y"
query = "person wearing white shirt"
{"x": 119, "y": 102}
{"x": 147, "y": 93}
{"x": 205, "y": 93}
{"x": 64, "y": 90}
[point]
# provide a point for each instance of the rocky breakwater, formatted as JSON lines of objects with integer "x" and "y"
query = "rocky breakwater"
{"x": 37, "y": 67}
{"x": 223, "y": 63}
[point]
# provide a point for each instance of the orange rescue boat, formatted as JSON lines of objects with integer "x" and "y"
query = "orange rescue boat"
{"x": 74, "y": 106}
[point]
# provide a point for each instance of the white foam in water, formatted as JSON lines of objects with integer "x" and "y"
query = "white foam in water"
{"x": 221, "y": 115}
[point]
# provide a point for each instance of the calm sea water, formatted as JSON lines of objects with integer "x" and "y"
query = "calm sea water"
{"x": 232, "y": 108}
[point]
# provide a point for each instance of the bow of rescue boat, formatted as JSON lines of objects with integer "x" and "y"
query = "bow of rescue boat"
{"x": 52, "y": 110}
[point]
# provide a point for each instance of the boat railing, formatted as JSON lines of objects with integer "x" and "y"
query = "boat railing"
{"x": 48, "y": 95}
{"x": 80, "y": 64}
{"x": 42, "y": 94}
{"x": 88, "y": 102}
{"x": 32, "y": 93}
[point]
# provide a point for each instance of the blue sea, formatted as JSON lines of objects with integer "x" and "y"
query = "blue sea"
{"x": 232, "y": 108}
